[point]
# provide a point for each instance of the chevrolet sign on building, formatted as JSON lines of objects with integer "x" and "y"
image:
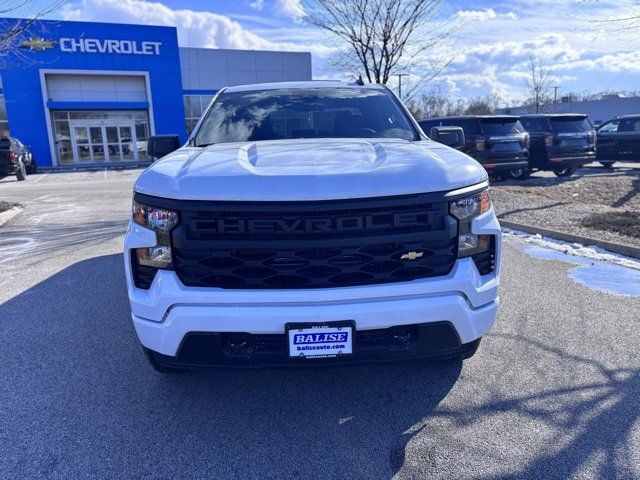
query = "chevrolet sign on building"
{"x": 92, "y": 93}
{"x": 96, "y": 45}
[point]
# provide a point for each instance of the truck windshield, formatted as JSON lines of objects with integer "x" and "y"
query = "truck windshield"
{"x": 5, "y": 144}
{"x": 501, "y": 126}
{"x": 570, "y": 125}
{"x": 304, "y": 113}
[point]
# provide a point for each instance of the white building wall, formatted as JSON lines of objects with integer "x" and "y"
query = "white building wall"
{"x": 212, "y": 69}
{"x": 599, "y": 111}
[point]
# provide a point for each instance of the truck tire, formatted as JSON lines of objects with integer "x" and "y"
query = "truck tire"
{"x": 607, "y": 164}
{"x": 517, "y": 174}
{"x": 565, "y": 172}
{"x": 21, "y": 174}
{"x": 32, "y": 168}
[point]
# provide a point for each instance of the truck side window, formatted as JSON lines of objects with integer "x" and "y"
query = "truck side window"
{"x": 630, "y": 125}
{"x": 610, "y": 127}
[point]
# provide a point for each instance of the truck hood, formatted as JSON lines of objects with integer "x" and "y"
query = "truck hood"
{"x": 286, "y": 170}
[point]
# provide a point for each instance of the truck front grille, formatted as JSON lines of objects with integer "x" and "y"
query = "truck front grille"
{"x": 285, "y": 245}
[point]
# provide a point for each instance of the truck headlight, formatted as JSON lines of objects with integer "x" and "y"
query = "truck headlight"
{"x": 162, "y": 221}
{"x": 465, "y": 210}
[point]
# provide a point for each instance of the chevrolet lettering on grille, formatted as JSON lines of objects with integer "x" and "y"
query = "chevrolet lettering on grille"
{"x": 290, "y": 225}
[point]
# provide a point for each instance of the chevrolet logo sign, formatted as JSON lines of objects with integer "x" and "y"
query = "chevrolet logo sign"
{"x": 36, "y": 44}
{"x": 412, "y": 255}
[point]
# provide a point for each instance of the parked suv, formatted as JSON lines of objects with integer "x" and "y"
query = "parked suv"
{"x": 619, "y": 140}
{"x": 310, "y": 223}
{"x": 498, "y": 142}
{"x": 560, "y": 143}
{"x": 15, "y": 159}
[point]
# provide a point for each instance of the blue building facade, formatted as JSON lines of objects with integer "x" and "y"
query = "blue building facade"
{"x": 83, "y": 93}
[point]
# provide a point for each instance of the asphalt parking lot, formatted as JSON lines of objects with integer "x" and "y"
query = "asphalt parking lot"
{"x": 554, "y": 391}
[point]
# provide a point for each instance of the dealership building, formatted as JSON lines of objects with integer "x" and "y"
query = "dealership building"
{"x": 83, "y": 93}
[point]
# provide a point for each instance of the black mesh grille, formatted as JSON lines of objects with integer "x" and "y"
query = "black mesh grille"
{"x": 313, "y": 245}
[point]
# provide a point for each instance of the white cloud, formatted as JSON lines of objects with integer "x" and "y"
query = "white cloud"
{"x": 198, "y": 29}
{"x": 257, "y": 5}
{"x": 289, "y": 8}
{"x": 195, "y": 28}
{"x": 618, "y": 63}
{"x": 483, "y": 15}
{"x": 491, "y": 52}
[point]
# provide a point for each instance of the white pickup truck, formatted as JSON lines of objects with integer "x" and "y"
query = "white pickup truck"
{"x": 310, "y": 223}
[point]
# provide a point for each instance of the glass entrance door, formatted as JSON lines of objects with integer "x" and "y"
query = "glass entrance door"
{"x": 81, "y": 145}
{"x": 102, "y": 142}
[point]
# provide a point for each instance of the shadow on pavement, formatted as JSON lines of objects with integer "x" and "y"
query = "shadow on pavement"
{"x": 82, "y": 399}
{"x": 79, "y": 400}
{"x": 593, "y": 421}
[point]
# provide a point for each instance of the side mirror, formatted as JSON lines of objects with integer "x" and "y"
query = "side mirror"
{"x": 160, "y": 145}
{"x": 450, "y": 136}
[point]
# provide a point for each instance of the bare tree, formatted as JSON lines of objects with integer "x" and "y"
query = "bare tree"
{"x": 627, "y": 21}
{"x": 13, "y": 31}
{"x": 384, "y": 37}
{"x": 435, "y": 102}
{"x": 539, "y": 80}
{"x": 486, "y": 105}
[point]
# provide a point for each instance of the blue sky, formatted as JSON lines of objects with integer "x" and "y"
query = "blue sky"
{"x": 491, "y": 50}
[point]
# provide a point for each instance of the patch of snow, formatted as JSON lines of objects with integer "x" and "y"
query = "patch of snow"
{"x": 596, "y": 268}
{"x": 571, "y": 249}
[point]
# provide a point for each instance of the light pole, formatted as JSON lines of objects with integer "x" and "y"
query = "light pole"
{"x": 400, "y": 75}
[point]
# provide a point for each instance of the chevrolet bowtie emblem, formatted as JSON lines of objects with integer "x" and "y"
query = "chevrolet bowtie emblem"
{"x": 412, "y": 255}
{"x": 36, "y": 44}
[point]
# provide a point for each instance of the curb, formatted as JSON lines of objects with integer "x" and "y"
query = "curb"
{"x": 93, "y": 168}
{"x": 626, "y": 250}
{"x": 9, "y": 214}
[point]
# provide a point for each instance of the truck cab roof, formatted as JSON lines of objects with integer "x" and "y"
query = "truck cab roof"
{"x": 477, "y": 117}
{"x": 303, "y": 85}
{"x": 555, "y": 115}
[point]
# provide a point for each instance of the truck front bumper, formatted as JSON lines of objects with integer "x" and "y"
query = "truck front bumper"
{"x": 169, "y": 316}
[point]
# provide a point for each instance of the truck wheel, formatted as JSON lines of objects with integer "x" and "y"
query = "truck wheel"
{"x": 607, "y": 164}
{"x": 32, "y": 168}
{"x": 21, "y": 174}
{"x": 565, "y": 172}
{"x": 517, "y": 174}
{"x": 150, "y": 354}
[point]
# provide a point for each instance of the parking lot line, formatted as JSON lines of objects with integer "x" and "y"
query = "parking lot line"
{"x": 41, "y": 177}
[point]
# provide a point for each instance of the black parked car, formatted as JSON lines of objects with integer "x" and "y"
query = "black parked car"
{"x": 15, "y": 159}
{"x": 498, "y": 142}
{"x": 560, "y": 143}
{"x": 619, "y": 140}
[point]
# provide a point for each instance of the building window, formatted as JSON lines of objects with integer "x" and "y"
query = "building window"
{"x": 194, "y": 106}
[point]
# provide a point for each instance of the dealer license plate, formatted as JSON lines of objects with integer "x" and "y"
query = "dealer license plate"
{"x": 323, "y": 340}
